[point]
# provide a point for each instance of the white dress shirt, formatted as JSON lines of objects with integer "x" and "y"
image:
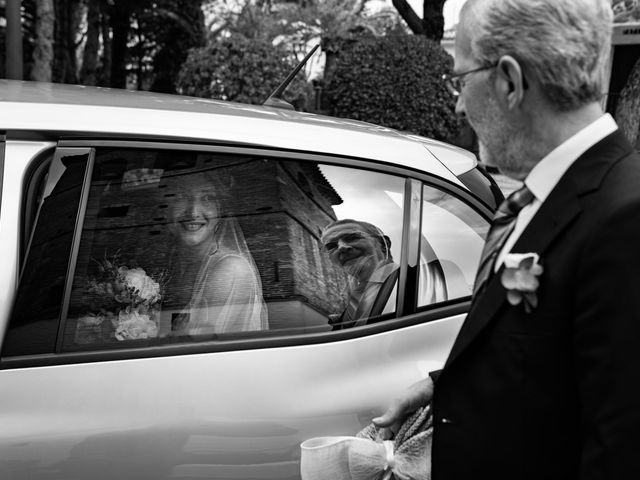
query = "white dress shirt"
{"x": 547, "y": 173}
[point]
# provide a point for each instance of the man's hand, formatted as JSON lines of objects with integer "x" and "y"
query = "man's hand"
{"x": 418, "y": 395}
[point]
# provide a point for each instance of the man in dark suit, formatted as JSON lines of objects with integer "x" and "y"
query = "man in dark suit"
{"x": 543, "y": 379}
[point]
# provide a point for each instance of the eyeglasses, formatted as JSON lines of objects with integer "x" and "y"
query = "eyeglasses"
{"x": 352, "y": 237}
{"x": 455, "y": 83}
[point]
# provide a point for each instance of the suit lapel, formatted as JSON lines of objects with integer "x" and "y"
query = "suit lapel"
{"x": 560, "y": 208}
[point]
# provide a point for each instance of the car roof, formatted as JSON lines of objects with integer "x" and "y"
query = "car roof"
{"x": 38, "y": 106}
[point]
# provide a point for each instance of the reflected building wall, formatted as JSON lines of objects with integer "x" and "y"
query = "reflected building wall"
{"x": 282, "y": 214}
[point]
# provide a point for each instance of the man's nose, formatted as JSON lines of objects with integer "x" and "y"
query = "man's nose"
{"x": 342, "y": 245}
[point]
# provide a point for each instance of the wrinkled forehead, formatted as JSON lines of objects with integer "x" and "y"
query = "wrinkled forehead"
{"x": 336, "y": 231}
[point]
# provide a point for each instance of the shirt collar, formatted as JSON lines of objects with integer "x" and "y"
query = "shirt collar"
{"x": 547, "y": 173}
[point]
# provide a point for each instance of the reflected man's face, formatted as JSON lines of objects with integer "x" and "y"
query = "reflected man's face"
{"x": 353, "y": 249}
{"x": 194, "y": 213}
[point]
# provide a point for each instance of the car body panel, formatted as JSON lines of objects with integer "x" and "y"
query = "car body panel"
{"x": 44, "y": 107}
{"x": 126, "y": 416}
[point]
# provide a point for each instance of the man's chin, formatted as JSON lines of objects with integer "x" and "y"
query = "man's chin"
{"x": 497, "y": 166}
{"x": 353, "y": 266}
{"x": 485, "y": 156}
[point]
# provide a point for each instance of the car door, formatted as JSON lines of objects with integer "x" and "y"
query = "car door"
{"x": 176, "y": 307}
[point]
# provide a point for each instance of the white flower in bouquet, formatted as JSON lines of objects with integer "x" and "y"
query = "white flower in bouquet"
{"x": 133, "y": 325}
{"x": 128, "y": 297}
{"x": 146, "y": 288}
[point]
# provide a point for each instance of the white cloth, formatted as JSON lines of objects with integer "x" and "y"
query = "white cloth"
{"x": 547, "y": 173}
{"x": 327, "y": 458}
{"x": 367, "y": 456}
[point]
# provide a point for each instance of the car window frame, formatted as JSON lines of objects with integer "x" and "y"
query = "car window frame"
{"x": 35, "y": 175}
{"x": 407, "y": 313}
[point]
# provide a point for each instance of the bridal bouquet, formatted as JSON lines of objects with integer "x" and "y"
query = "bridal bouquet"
{"x": 124, "y": 304}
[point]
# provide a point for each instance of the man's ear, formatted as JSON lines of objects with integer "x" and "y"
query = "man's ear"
{"x": 510, "y": 82}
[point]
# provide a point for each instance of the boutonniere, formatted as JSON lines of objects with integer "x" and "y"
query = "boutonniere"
{"x": 520, "y": 278}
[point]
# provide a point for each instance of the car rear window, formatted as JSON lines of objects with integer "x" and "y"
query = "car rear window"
{"x": 137, "y": 247}
{"x": 184, "y": 246}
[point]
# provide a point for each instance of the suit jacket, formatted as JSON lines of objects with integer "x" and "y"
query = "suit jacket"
{"x": 555, "y": 393}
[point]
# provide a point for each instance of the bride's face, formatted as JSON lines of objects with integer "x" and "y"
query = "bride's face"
{"x": 194, "y": 214}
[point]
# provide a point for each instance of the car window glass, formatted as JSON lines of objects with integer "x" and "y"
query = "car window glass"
{"x": 39, "y": 301}
{"x": 364, "y": 243}
{"x": 453, "y": 236}
{"x": 185, "y": 246}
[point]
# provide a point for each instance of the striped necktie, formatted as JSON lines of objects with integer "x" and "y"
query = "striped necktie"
{"x": 503, "y": 222}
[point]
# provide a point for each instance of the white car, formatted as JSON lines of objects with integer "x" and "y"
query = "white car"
{"x": 171, "y": 304}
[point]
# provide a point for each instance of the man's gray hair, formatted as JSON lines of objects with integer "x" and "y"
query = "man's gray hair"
{"x": 565, "y": 44}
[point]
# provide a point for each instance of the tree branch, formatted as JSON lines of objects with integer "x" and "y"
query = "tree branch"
{"x": 408, "y": 15}
{"x": 433, "y": 20}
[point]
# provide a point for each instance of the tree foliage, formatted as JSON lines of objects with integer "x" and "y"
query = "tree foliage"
{"x": 281, "y": 32}
{"x": 238, "y": 69}
{"x": 395, "y": 81}
{"x": 299, "y": 23}
{"x": 117, "y": 43}
{"x": 150, "y": 38}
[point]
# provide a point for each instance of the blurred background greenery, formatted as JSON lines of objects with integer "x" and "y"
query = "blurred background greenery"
{"x": 380, "y": 61}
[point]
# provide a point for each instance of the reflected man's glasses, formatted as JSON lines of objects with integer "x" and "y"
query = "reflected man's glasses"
{"x": 352, "y": 237}
{"x": 455, "y": 82}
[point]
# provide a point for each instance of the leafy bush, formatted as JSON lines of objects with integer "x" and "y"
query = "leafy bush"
{"x": 240, "y": 70}
{"x": 395, "y": 81}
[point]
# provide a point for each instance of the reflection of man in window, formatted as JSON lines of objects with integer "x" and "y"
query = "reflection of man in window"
{"x": 364, "y": 253}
